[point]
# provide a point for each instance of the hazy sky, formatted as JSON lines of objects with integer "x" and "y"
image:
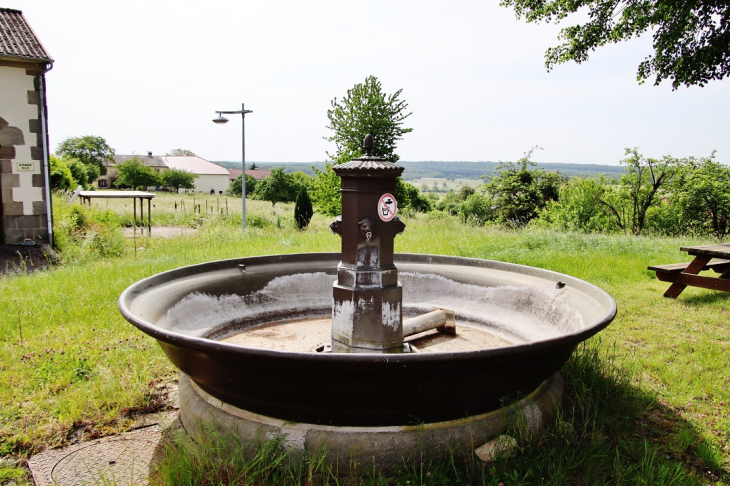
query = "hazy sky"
{"x": 149, "y": 75}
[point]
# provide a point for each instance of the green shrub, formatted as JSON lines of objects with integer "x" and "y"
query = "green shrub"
{"x": 476, "y": 210}
{"x": 83, "y": 234}
{"x": 303, "y": 211}
{"x": 61, "y": 177}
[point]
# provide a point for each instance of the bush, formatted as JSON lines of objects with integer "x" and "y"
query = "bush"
{"x": 235, "y": 188}
{"x": 83, "y": 234}
{"x": 303, "y": 211}
{"x": 476, "y": 210}
{"x": 61, "y": 178}
{"x": 579, "y": 208}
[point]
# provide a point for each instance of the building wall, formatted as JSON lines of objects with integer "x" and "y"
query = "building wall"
{"x": 22, "y": 176}
{"x": 218, "y": 182}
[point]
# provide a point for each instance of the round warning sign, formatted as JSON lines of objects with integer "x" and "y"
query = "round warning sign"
{"x": 387, "y": 207}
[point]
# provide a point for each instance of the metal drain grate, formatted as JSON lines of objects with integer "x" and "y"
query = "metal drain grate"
{"x": 126, "y": 459}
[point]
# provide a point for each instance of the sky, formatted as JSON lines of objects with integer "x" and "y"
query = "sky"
{"x": 149, "y": 76}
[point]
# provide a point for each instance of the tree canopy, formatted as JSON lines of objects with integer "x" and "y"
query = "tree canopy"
{"x": 366, "y": 109}
{"x": 691, "y": 37}
{"x": 235, "y": 189}
{"x": 134, "y": 173}
{"x": 519, "y": 191}
{"x": 177, "y": 178}
{"x": 90, "y": 150}
{"x": 278, "y": 187}
{"x": 180, "y": 152}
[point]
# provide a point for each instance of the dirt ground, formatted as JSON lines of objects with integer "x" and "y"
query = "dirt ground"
{"x": 22, "y": 259}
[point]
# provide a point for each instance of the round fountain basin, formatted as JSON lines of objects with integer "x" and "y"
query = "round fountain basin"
{"x": 244, "y": 330}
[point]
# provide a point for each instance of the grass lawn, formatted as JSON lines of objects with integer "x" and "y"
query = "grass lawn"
{"x": 646, "y": 400}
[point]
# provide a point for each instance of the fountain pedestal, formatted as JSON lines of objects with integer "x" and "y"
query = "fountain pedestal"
{"x": 367, "y": 314}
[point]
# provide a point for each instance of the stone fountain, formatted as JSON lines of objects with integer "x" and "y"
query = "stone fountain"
{"x": 367, "y": 353}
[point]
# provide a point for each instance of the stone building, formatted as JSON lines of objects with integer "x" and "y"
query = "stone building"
{"x": 25, "y": 204}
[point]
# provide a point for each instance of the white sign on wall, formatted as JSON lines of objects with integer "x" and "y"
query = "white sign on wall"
{"x": 25, "y": 166}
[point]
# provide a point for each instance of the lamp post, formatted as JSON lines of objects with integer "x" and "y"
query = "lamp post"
{"x": 220, "y": 120}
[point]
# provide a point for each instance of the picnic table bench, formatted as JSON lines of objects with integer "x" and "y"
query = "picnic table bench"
{"x": 707, "y": 257}
{"x": 86, "y": 197}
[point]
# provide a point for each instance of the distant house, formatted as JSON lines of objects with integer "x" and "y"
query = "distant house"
{"x": 25, "y": 204}
{"x": 211, "y": 177}
{"x": 257, "y": 174}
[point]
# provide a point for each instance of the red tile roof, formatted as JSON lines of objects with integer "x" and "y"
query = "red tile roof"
{"x": 257, "y": 174}
{"x": 17, "y": 39}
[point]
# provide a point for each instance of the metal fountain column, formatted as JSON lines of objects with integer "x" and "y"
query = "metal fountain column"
{"x": 367, "y": 315}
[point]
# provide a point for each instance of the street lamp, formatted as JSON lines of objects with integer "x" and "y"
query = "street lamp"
{"x": 220, "y": 119}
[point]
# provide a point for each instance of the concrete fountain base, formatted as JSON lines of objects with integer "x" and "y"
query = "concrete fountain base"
{"x": 354, "y": 447}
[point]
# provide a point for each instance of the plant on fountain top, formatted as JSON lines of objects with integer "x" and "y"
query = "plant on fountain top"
{"x": 366, "y": 109}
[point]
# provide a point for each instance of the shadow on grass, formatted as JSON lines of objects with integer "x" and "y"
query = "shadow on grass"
{"x": 706, "y": 298}
{"x": 609, "y": 432}
{"x": 612, "y": 432}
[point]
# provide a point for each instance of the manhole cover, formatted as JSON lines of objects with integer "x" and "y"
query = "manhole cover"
{"x": 125, "y": 459}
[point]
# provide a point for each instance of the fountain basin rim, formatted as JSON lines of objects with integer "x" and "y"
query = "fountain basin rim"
{"x": 205, "y": 344}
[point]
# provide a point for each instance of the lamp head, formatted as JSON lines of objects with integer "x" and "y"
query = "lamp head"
{"x": 220, "y": 120}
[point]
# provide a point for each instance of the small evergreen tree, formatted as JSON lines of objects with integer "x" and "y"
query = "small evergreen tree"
{"x": 303, "y": 208}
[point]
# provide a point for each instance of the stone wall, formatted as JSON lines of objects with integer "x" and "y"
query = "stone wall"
{"x": 22, "y": 173}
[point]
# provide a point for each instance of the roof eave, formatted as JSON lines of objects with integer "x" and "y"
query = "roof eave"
{"x": 28, "y": 60}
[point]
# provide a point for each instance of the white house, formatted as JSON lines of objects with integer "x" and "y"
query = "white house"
{"x": 25, "y": 204}
{"x": 212, "y": 178}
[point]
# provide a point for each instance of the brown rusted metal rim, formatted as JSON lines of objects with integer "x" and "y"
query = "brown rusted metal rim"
{"x": 353, "y": 389}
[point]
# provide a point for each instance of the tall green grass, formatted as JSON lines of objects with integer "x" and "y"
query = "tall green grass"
{"x": 647, "y": 403}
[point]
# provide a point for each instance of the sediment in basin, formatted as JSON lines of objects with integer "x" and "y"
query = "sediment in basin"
{"x": 189, "y": 310}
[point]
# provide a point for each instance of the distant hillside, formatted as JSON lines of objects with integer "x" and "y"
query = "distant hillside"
{"x": 463, "y": 170}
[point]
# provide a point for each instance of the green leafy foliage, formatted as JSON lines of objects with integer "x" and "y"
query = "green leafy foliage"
{"x": 81, "y": 172}
{"x": 476, "y": 210}
{"x": 326, "y": 195}
{"x": 702, "y": 193}
{"x": 520, "y": 190}
{"x": 690, "y": 37}
{"x": 578, "y": 208}
{"x": 235, "y": 188}
{"x": 61, "y": 177}
{"x": 179, "y": 152}
{"x": 409, "y": 197}
{"x": 638, "y": 189}
{"x": 303, "y": 211}
{"x": 366, "y": 109}
{"x": 278, "y": 187}
{"x": 135, "y": 173}
{"x": 90, "y": 150}
{"x": 178, "y": 179}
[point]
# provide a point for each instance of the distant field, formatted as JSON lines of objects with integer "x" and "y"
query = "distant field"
{"x": 459, "y": 170}
{"x": 426, "y": 184}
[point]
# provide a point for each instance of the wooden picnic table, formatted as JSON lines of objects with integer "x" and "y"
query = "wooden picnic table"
{"x": 707, "y": 257}
{"x": 86, "y": 196}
